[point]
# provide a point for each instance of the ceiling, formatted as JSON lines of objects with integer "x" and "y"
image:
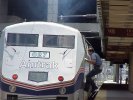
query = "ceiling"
{"x": 116, "y": 17}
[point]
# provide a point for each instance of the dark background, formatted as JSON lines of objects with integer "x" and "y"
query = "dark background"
{"x": 31, "y": 10}
{"x": 36, "y": 10}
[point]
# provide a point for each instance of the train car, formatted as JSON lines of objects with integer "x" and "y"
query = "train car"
{"x": 42, "y": 61}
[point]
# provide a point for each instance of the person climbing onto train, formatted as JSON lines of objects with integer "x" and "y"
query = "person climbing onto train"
{"x": 94, "y": 59}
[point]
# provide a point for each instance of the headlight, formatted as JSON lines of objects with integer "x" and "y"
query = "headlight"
{"x": 62, "y": 90}
{"x": 12, "y": 88}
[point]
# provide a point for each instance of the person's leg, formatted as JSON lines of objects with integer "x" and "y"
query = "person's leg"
{"x": 89, "y": 80}
{"x": 87, "y": 84}
{"x": 93, "y": 84}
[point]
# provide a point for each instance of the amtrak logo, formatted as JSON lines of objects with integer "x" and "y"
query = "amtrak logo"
{"x": 38, "y": 64}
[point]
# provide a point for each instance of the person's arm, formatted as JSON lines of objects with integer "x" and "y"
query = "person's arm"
{"x": 93, "y": 59}
{"x": 90, "y": 61}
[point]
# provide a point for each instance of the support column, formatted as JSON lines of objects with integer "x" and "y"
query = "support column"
{"x": 131, "y": 72}
{"x": 3, "y": 10}
{"x": 52, "y": 15}
{"x": 116, "y": 73}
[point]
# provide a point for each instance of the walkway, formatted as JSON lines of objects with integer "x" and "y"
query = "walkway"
{"x": 114, "y": 92}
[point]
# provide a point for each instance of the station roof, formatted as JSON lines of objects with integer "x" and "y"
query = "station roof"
{"x": 117, "y": 23}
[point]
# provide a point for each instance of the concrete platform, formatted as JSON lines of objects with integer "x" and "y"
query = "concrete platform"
{"x": 114, "y": 95}
{"x": 114, "y": 92}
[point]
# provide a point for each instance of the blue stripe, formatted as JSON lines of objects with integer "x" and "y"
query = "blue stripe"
{"x": 69, "y": 90}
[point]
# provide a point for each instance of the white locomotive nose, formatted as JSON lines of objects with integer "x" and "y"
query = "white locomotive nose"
{"x": 43, "y": 60}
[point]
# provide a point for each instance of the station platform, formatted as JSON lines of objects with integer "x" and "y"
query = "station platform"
{"x": 114, "y": 92}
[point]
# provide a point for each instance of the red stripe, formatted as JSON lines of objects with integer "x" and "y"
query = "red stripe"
{"x": 49, "y": 86}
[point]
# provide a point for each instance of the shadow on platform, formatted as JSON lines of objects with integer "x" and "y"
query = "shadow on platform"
{"x": 113, "y": 86}
{"x": 110, "y": 91}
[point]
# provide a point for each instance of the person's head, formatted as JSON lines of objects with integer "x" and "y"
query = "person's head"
{"x": 90, "y": 50}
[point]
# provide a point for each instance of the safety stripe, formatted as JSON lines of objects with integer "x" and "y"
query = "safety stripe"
{"x": 42, "y": 87}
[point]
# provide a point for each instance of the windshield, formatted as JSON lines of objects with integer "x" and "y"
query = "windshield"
{"x": 14, "y": 39}
{"x": 59, "y": 41}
